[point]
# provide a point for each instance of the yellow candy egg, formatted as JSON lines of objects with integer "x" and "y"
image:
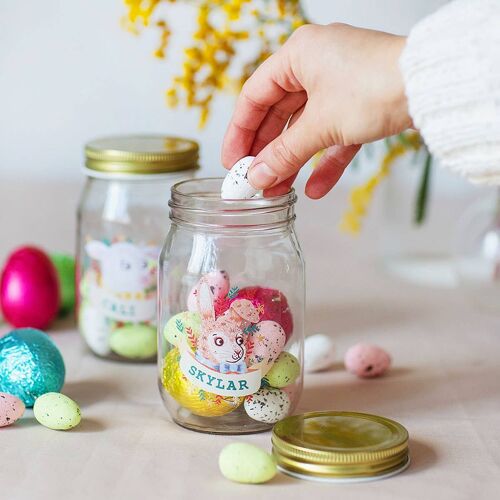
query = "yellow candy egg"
{"x": 194, "y": 399}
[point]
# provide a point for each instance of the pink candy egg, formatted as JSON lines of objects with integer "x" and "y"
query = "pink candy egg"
{"x": 265, "y": 343}
{"x": 11, "y": 409}
{"x": 29, "y": 289}
{"x": 367, "y": 360}
{"x": 218, "y": 282}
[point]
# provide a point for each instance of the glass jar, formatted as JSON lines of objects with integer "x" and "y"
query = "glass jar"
{"x": 231, "y": 310}
{"x": 122, "y": 221}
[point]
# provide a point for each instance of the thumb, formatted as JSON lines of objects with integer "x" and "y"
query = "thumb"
{"x": 285, "y": 155}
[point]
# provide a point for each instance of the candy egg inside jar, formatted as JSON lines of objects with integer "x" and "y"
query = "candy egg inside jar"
{"x": 226, "y": 356}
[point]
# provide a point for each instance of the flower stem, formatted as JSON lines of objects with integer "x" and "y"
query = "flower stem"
{"x": 423, "y": 192}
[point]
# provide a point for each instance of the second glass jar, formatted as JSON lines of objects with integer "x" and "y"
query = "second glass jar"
{"x": 231, "y": 310}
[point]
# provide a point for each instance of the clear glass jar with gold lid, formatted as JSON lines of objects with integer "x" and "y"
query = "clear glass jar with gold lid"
{"x": 122, "y": 221}
{"x": 231, "y": 310}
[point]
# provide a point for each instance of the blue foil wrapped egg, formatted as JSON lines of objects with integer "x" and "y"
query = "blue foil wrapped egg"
{"x": 30, "y": 365}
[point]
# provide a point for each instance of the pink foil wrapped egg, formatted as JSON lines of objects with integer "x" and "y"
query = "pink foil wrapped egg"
{"x": 11, "y": 409}
{"x": 265, "y": 342}
{"x": 218, "y": 282}
{"x": 272, "y": 305}
{"x": 29, "y": 289}
{"x": 367, "y": 360}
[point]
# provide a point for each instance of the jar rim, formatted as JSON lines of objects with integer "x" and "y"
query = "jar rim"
{"x": 214, "y": 196}
{"x": 198, "y": 202}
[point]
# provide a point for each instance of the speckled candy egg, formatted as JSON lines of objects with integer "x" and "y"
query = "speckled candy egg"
{"x": 246, "y": 463}
{"x": 265, "y": 343}
{"x": 218, "y": 281}
{"x": 29, "y": 289}
{"x": 236, "y": 185}
{"x": 367, "y": 360}
{"x": 30, "y": 365}
{"x": 191, "y": 397}
{"x": 11, "y": 409}
{"x": 272, "y": 305}
{"x": 56, "y": 411}
{"x": 134, "y": 341}
{"x": 285, "y": 371}
{"x": 182, "y": 326}
{"x": 267, "y": 405}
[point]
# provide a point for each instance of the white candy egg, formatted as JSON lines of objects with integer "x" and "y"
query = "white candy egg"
{"x": 319, "y": 353}
{"x": 236, "y": 185}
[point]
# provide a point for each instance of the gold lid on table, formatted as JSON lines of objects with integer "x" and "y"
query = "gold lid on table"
{"x": 339, "y": 445}
{"x": 141, "y": 154}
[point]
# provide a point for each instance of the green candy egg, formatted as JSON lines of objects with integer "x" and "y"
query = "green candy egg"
{"x": 65, "y": 267}
{"x": 246, "y": 463}
{"x": 134, "y": 341}
{"x": 179, "y": 326}
{"x": 284, "y": 371}
{"x": 56, "y": 411}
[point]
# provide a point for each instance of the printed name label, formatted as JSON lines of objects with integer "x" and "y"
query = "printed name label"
{"x": 223, "y": 384}
{"x": 124, "y": 309}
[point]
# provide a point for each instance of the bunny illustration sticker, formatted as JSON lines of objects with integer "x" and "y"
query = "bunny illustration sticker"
{"x": 218, "y": 364}
{"x": 125, "y": 289}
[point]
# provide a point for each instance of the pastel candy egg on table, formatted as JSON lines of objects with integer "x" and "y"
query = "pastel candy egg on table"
{"x": 191, "y": 397}
{"x": 11, "y": 409}
{"x": 284, "y": 372}
{"x": 267, "y": 405}
{"x": 367, "y": 360}
{"x": 271, "y": 304}
{"x": 218, "y": 282}
{"x": 94, "y": 328}
{"x": 135, "y": 341}
{"x": 319, "y": 353}
{"x": 30, "y": 365}
{"x": 246, "y": 463}
{"x": 265, "y": 343}
{"x": 235, "y": 185}
{"x": 183, "y": 326}
{"x": 56, "y": 411}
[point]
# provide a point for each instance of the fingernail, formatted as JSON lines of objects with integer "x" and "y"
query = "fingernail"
{"x": 261, "y": 176}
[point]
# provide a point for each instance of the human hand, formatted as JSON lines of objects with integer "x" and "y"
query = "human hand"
{"x": 331, "y": 87}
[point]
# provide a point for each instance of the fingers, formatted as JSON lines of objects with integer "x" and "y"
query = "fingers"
{"x": 286, "y": 154}
{"x": 276, "y": 119}
{"x": 266, "y": 87}
{"x": 330, "y": 168}
{"x": 281, "y": 188}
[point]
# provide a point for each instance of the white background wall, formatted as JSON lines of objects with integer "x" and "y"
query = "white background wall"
{"x": 69, "y": 72}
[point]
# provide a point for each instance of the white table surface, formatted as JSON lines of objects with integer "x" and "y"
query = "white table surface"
{"x": 444, "y": 387}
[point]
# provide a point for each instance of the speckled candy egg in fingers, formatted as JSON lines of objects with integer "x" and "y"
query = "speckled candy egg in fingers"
{"x": 236, "y": 185}
{"x": 367, "y": 360}
{"x": 56, "y": 411}
{"x": 267, "y": 405}
{"x": 11, "y": 409}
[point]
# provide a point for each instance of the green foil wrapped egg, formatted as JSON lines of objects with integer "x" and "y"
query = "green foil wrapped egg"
{"x": 30, "y": 365}
{"x": 284, "y": 371}
{"x": 65, "y": 267}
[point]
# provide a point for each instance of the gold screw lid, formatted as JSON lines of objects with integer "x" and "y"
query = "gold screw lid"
{"x": 141, "y": 154}
{"x": 339, "y": 445}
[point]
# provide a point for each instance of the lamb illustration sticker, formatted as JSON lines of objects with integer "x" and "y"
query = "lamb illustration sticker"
{"x": 219, "y": 361}
{"x": 126, "y": 286}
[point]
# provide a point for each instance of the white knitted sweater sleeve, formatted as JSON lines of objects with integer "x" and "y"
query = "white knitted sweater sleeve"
{"x": 451, "y": 69}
